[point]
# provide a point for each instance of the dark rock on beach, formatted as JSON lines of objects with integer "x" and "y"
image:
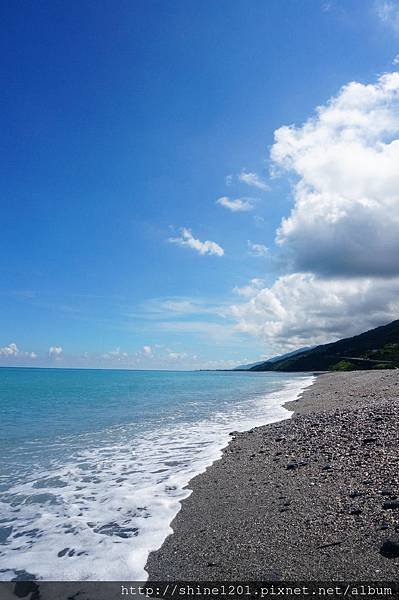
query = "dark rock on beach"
{"x": 391, "y": 505}
{"x": 314, "y": 497}
{"x": 390, "y": 549}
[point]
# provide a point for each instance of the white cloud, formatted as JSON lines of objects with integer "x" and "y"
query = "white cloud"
{"x": 187, "y": 239}
{"x": 253, "y": 180}
{"x": 116, "y": 354}
{"x": 341, "y": 237}
{"x": 301, "y": 309}
{"x": 156, "y": 356}
{"x": 259, "y": 221}
{"x": 178, "y": 306}
{"x": 388, "y": 13}
{"x": 206, "y": 329}
{"x": 396, "y": 60}
{"x": 346, "y": 214}
{"x": 12, "y": 351}
{"x": 176, "y": 355}
{"x": 238, "y": 205}
{"x": 122, "y": 358}
{"x": 55, "y": 352}
{"x": 257, "y": 249}
{"x": 247, "y": 291}
{"x": 228, "y": 180}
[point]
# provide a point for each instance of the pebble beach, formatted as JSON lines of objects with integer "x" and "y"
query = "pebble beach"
{"x": 314, "y": 497}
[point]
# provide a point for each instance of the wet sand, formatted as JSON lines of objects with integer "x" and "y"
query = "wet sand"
{"x": 310, "y": 498}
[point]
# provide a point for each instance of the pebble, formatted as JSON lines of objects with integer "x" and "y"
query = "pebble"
{"x": 390, "y": 549}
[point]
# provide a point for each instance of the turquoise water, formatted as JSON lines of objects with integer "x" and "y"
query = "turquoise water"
{"x": 94, "y": 462}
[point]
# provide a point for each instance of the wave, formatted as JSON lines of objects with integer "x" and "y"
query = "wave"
{"x": 98, "y": 510}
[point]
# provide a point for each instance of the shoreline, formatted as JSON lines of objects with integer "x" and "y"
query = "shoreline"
{"x": 311, "y": 497}
{"x": 136, "y": 517}
{"x": 290, "y": 388}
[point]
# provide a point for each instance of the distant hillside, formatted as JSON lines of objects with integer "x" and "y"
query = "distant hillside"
{"x": 249, "y": 366}
{"x": 374, "y": 349}
{"x": 274, "y": 359}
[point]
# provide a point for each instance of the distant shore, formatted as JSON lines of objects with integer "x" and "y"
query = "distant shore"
{"x": 310, "y": 498}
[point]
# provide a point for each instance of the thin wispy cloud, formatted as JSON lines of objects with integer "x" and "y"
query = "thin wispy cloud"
{"x": 177, "y": 355}
{"x": 388, "y": 13}
{"x": 253, "y": 180}
{"x": 204, "y": 329}
{"x": 181, "y": 306}
{"x": 237, "y": 205}
{"x": 259, "y": 221}
{"x": 184, "y": 315}
{"x": 248, "y": 291}
{"x": 189, "y": 241}
{"x": 257, "y": 249}
{"x": 116, "y": 354}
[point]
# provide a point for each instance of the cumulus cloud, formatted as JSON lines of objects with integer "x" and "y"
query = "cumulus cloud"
{"x": 238, "y": 205}
{"x": 154, "y": 356}
{"x": 341, "y": 238}
{"x": 12, "y": 351}
{"x": 345, "y": 219}
{"x": 254, "y": 180}
{"x": 301, "y": 308}
{"x": 396, "y": 60}
{"x": 257, "y": 249}
{"x": 187, "y": 239}
{"x": 55, "y": 352}
{"x": 124, "y": 359}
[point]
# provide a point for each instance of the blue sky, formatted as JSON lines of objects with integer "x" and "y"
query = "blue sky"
{"x": 135, "y": 132}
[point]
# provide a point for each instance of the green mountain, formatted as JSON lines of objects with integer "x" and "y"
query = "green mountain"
{"x": 375, "y": 349}
{"x": 271, "y": 360}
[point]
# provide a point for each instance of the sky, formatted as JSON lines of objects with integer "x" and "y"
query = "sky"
{"x": 195, "y": 184}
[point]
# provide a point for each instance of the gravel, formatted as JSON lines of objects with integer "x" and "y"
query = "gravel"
{"x": 310, "y": 498}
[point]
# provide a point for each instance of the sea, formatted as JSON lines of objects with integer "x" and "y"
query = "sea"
{"x": 94, "y": 463}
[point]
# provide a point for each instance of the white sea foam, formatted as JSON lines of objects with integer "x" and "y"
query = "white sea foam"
{"x": 97, "y": 513}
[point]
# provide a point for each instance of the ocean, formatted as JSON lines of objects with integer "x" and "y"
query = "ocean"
{"x": 94, "y": 463}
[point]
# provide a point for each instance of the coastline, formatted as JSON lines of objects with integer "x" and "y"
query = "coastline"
{"x": 123, "y": 506}
{"x": 311, "y": 497}
{"x": 292, "y": 388}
